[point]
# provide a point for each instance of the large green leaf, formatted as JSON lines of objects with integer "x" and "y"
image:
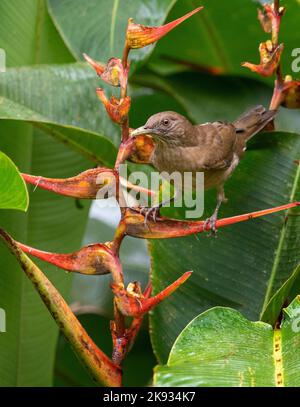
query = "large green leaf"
{"x": 222, "y": 348}
{"x": 54, "y": 223}
{"x": 97, "y": 27}
{"x": 248, "y": 262}
{"x": 61, "y": 100}
{"x": 13, "y": 191}
{"x": 28, "y": 35}
{"x": 223, "y": 35}
{"x": 281, "y": 296}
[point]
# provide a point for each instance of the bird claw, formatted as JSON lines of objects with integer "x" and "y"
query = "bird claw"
{"x": 150, "y": 212}
{"x": 211, "y": 221}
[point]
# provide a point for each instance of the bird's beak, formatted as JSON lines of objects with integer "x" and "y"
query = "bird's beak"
{"x": 141, "y": 130}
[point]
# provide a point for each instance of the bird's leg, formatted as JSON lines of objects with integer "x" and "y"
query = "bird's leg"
{"x": 153, "y": 212}
{"x": 213, "y": 218}
{"x": 149, "y": 213}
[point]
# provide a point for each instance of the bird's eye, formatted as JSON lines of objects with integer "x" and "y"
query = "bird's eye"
{"x": 166, "y": 122}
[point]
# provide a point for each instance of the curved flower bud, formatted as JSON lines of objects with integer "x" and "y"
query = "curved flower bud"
{"x": 131, "y": 302}
{"x": 166, "y": 228}
{"x": 139, "y": 36}
{"x": 269, "y": 59}
{"x": 264, "y": 20}
{"x": 86, "y": 185}
{"x": 112, "y": 73}
{"x": 115, "y": 74}
{"x": 117, "y": 109}
{"x": 93, "y": 259}
{"x": 270, "y": 20}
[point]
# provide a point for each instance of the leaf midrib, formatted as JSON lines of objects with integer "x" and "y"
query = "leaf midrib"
{"x": 113, "y": 25}
{"x": 280, "y": 246}
{"x": 44, "y": 123}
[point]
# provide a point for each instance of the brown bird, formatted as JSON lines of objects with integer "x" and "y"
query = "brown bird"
{"x": 212, "y": 148}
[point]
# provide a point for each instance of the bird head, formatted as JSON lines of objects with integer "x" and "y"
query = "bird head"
{"x": 168, "y": 127}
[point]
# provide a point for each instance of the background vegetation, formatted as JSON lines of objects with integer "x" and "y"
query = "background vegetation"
{"x": 52, "y": 125}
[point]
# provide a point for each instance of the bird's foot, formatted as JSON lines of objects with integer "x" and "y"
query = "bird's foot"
{"x": 150, "y": 213}
{"x": 211, "y": 222}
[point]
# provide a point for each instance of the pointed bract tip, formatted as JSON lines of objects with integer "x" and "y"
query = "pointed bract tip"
{"x": 94, "y": 259}
{"x": 139, "y": 36}
{"x": 89, "y": 184}
{"x": 99, "y": 68}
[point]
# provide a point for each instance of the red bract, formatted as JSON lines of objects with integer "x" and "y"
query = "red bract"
{"x": 139, "y": 36}
{"x": 112, "y": 73}
{"x": 269, "y": 59}
{"x": 264, "y": 20}
{"x": 117, "y": 109}
{"x": 165, "y": 228}
{"x": 144, "y": 146}
{"x": 83, "y": 186}
{"x": 92, "y": 259}
{"x": 122, "y": 344}
{"x": 132, "y": 302}
{"x": 270, "y": 20}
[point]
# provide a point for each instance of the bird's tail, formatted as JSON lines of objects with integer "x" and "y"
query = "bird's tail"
{"x": 253, "y": 121}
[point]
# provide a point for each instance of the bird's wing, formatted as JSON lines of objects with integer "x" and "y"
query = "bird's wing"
{"x": 216, "y": 144}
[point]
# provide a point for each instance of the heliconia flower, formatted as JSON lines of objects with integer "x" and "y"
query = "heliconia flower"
{"x": 93, "y": 259}
{"x": 83, "y": 186}
{"x": 123, "y": 343}
{"x": 117, "y": 109}
{"x": 269, "y": 59}
{"x": 115, "y": 74}
{"x": 291, "y": 93}
{"x": 98, "y": 364}
{"x": 166, "y": 228}
{"x": 131, "y": 302}
{"x": 269, "y": 19}
{"x": 139, "y": 36}
{"x": 264, "y": 20}
{"x": 112, "y": 73}
{"x": 144, "y": 146}
{"x": 96, "y": 183}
